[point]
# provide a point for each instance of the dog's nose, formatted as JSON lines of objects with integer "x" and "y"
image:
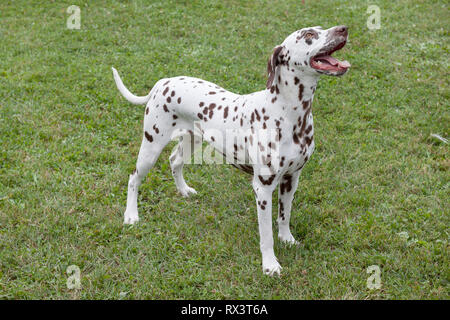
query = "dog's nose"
{"x": 341, "y": 31}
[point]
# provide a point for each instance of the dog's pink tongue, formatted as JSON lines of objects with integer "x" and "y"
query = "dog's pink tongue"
{"x": 329, "y": 60}
{"x": 335, "y": 62}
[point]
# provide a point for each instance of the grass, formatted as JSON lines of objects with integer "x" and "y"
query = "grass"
{"x": 69, "y": 142}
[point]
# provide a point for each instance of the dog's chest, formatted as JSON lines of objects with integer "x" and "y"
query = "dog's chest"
{"x": 298, "y": 145}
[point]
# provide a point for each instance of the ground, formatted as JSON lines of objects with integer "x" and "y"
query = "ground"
{"x": 374, "y": 193}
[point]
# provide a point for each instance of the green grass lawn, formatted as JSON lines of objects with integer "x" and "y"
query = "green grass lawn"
{"x": 69, "y": 142}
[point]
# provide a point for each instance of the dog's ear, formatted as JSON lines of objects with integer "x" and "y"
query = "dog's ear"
{"x": 272, "y": 64}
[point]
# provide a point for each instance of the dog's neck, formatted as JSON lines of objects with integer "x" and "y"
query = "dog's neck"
{"x": 294, "y": 90}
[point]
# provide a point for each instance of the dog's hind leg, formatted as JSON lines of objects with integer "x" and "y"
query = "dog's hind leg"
{"x": 177, "y": 162}
{"x": 148, "y": 154}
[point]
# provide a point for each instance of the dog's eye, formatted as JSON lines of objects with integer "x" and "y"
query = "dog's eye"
{"x": 309, "y": 35}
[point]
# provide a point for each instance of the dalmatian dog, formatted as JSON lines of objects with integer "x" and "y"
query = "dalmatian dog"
{"x": 268, "y": 133}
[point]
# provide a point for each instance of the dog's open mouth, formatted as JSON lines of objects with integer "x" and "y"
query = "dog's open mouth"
{"x": 323, "y": 61}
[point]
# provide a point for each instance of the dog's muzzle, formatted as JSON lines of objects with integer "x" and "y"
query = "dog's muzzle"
{"x": 323, "y": 62}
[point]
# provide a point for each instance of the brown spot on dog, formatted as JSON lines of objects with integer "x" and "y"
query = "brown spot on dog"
{"x": 281, "y": 209}
{"x": 300, "y": 92}
{"x": 165, "y": 90}
{"x": 148, "y": 136}
{"x": 268, "y": 181}
{"x": 169, "y": 99}
{"x": 225, "y": 113}
{"x": 146, "y": 110}
{"x": 258, "y": 117}
{"x": 179, "y": 100}
{"x": 278, "y": 136}
{"x": 172, "y": 93}
{"x": 302, "y": 129}
{"x": 286, "y": 184}
{"x": 165, "y": 108}
{"x": 295, "y": 138}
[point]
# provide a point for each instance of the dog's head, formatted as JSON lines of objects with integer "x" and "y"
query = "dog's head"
{"x": 309, "y": 51}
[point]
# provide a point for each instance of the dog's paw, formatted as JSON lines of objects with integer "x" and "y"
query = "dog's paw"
{"x": 288, "y": 239}
{"x": 272, "y": 268}
{"x": 186, "y": 192}
{"x": 130, "y": 218}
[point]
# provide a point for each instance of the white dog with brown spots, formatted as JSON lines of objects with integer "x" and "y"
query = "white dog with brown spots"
{"x": 268, "y": 133}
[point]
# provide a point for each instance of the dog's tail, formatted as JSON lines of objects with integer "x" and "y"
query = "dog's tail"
{"x": 126, "y": 93}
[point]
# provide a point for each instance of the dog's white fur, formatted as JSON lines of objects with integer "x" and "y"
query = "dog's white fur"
{"x": 174, "y": 104}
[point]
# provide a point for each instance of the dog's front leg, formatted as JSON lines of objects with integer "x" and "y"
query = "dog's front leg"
{"x": 263, "y": 193}
{"x": 288, "y": 185}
